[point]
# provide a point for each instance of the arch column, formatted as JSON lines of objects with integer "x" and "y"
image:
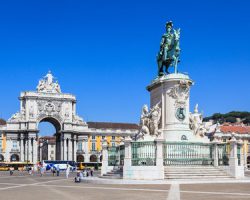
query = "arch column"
{"x": 22, "y": 150}
{"x": 35, "y": 148}
{"x": 70, "y": 153}
{"x": 86, "y": 149}
{"x": 64, "y": 149}
{"x": 74, "y": 149}
{"x": 60, "y": 149}
{"x": 26, "y": 158}
{"x": 7, "y": 152}
{"x": 29, "y": 152}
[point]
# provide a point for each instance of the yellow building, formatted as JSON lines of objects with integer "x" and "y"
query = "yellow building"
{"x": 225, "y": 132}
{"x": 91, "y": 148}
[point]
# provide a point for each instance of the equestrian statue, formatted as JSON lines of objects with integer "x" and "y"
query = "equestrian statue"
{"x": 169, "y": 50}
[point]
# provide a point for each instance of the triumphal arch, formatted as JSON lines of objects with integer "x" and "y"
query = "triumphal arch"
{"x": 46, "y": 104}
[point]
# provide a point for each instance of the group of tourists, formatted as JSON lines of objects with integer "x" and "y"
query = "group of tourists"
{"x": 55, "y": 171}
{"x": 85, "y": 173}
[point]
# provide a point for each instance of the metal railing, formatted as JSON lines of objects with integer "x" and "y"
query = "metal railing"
{"x": 116, "y": 155}
{"x": 183, "y": 153}
{"x": 143, "y": 153}
{"x": 223, "y": 154}
{"x": 112, "y": 156}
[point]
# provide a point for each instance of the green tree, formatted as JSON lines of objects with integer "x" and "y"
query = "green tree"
{"x": 231, "y": 119}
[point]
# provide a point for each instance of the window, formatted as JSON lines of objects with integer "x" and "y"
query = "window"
{"x": 103, "y": 137}
{"x": 93, "y": 137}
{"x": 0, "y": 144}
{"x": 14, "y": 143}
{"x": 93, "y": 146}
{"x": 113, "y": 144}
{"x": 52, "y": 152}
{"x": 113, "y": 137}
{"x": 79, "y": 146}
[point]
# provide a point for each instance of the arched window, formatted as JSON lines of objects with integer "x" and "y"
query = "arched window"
{"x": 93, "y": 158}
{"x": 80, "y": 158}
{"x": 14, "y": 158}
{"x": 1, "y": 157}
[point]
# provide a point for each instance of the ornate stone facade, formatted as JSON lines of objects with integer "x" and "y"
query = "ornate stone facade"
{"x": 49, "y": 104}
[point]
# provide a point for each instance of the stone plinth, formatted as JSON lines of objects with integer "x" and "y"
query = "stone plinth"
{"x": 172, "y": 92}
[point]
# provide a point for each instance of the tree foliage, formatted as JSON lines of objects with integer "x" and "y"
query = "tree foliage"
{"x": 230, "y": 117}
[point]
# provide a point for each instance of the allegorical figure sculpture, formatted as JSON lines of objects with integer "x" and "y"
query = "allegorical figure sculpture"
{"x": 196, "y": 122}
{"x": 48, "y": 85}
{"x": 169, "y": 49}
{"x": 150, "y": 121}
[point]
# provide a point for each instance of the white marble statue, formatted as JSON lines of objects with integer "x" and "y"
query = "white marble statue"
{"x": 78, "y": 120}
{"x": 145, "y": 121}
{"x": 155, "y": 116}
{"x": 16, "y": 117}
{"x": 49, "y": 78}
{"x": 150, "y": 121}
{"x": 48, "y": 85}
{"x": 196, "y": 122}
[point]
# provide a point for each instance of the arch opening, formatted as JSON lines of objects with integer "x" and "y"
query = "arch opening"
{"x": 1, "y": 158}
{"x": 50, "y": 139}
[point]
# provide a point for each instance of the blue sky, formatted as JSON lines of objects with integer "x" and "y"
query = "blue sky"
{"x": 104, "y": 52}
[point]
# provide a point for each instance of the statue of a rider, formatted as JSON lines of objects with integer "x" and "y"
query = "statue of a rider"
{"x": 169, "y": 49}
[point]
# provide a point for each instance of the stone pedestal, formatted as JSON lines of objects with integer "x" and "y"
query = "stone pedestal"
{"x": 171, "y": 92}
{"x": 143, "y": 172}
{"x": 236, "y": 169}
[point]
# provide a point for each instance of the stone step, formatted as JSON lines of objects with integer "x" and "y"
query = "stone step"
{"x": 198, "y": 177}
{"x": 219, "y": 173}
{"x": 176, "y": 174}
{"x": 114, "y": 172}
{"x": 110, "y": 174}
{"x": 111, "y": 177}
{"x": 193, "y": 172}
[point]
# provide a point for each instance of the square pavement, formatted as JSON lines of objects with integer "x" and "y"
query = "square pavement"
{"x": 30, "y": 187}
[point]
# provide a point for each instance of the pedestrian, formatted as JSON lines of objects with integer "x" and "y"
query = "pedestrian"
{"x": 53, "y": 171}
{"x": 91, "y": 172}
{"x": 30, "y": 171}
{"x": 41, "y": 171}
{"x": 67, "y": 171}
{"x": 57, "y": 171}
{"x": 11, "y": 171}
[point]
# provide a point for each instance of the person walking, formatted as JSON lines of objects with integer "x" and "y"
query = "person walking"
{"x": 91, "y": 171}
{"x": 11, "y": 171}
{"x": 53, "y": 171}
{"x": 57, "y": 171}
{"x": 41, "y": 171}
{"x": 67, "y": 171}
